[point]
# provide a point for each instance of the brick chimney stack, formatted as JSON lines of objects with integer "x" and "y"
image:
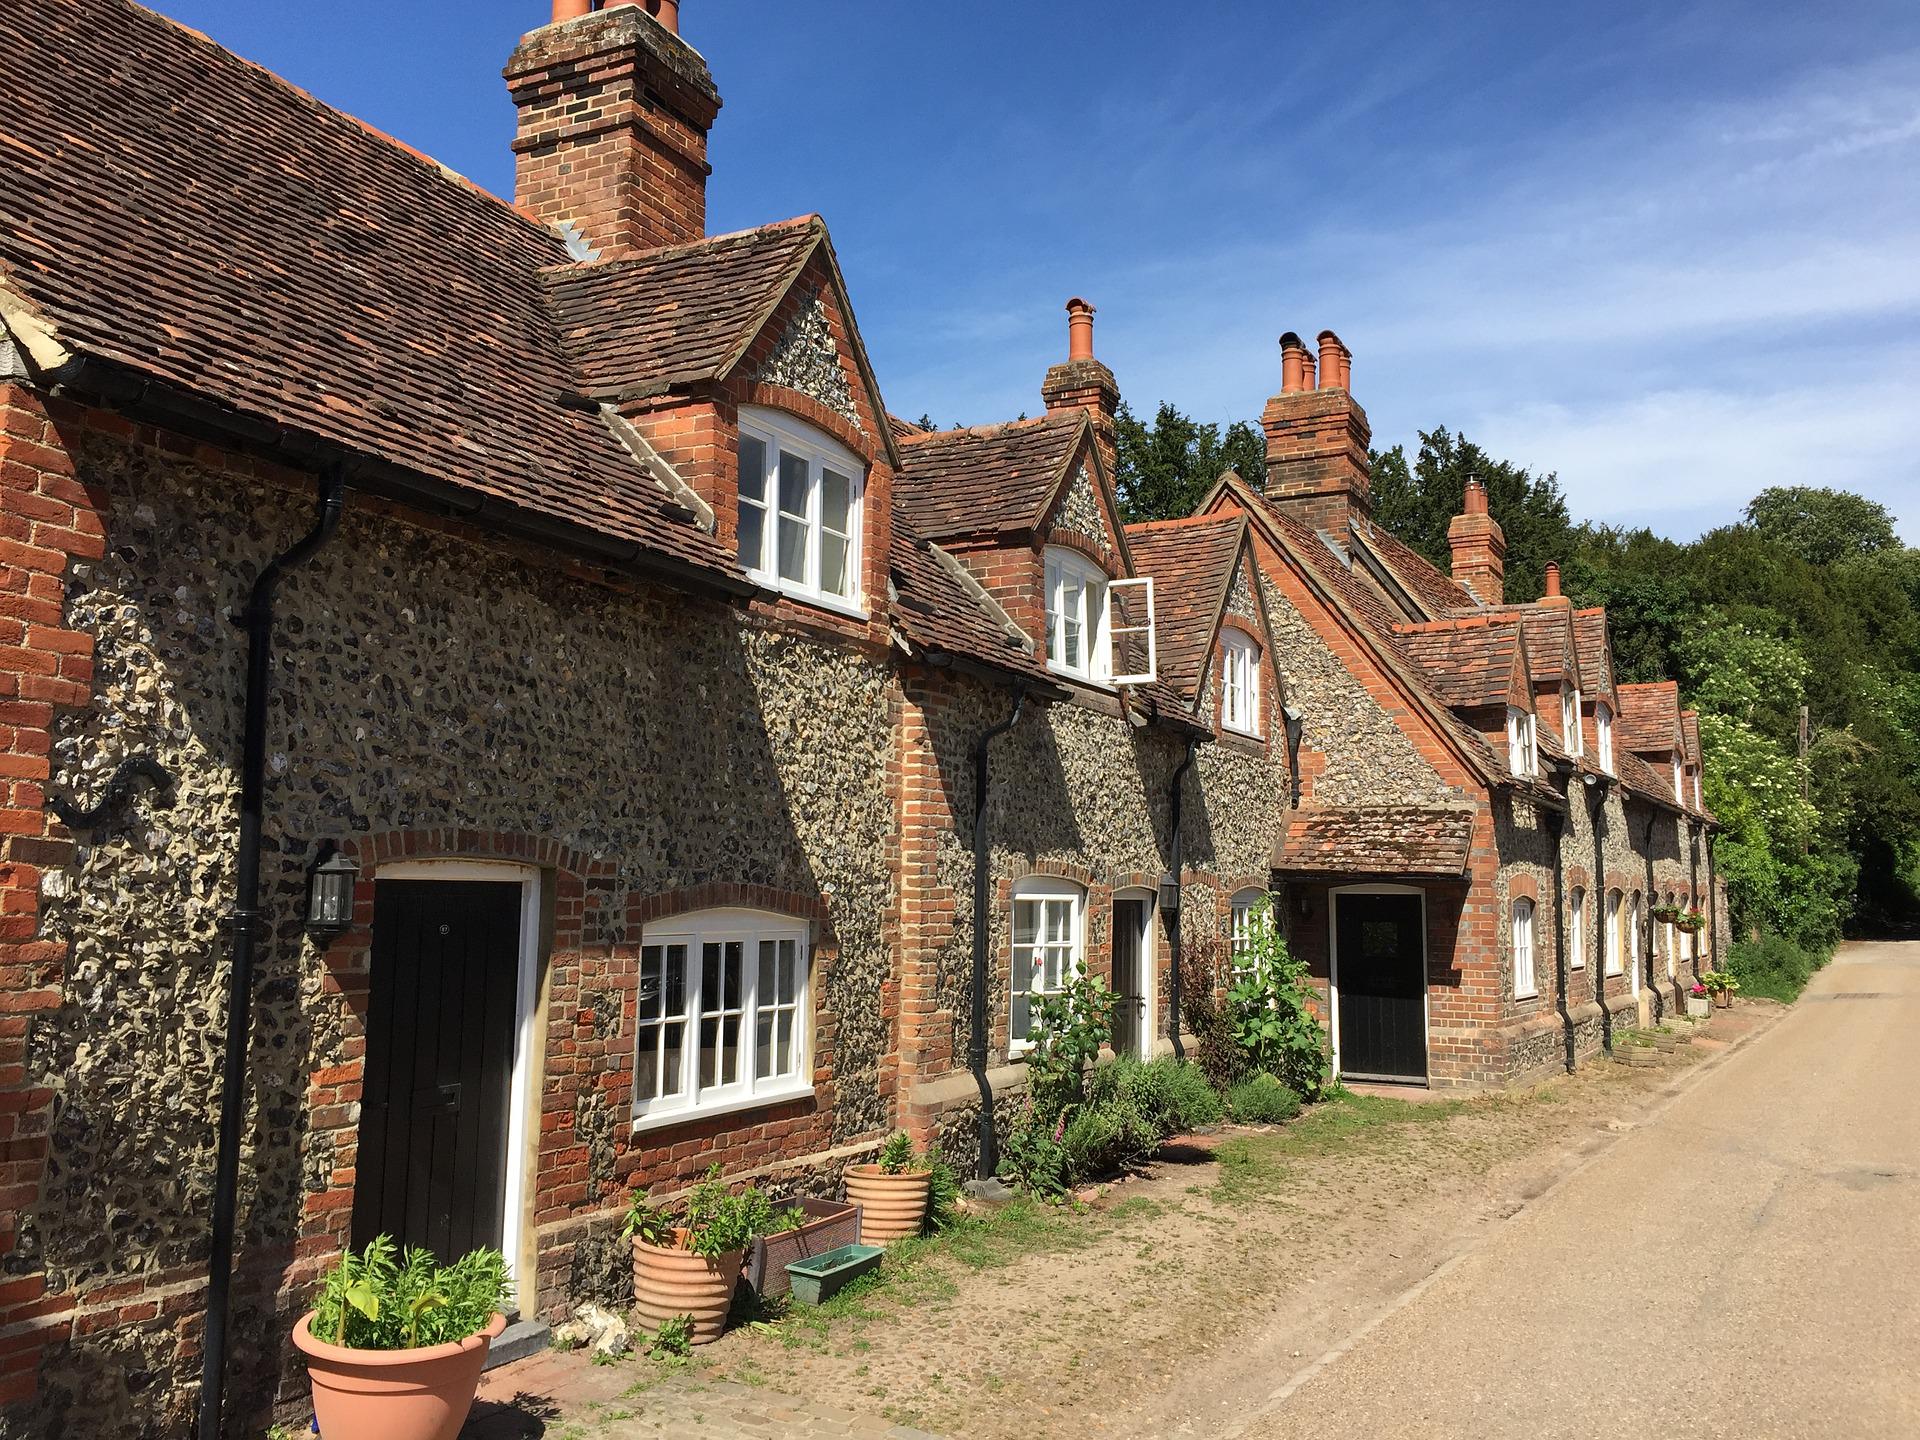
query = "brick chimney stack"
{"x": 1479, "y": 548}
{"x": 615, "y": 109}
{"x": 1317, "y": 437}
{"x": 1084, "y": 383}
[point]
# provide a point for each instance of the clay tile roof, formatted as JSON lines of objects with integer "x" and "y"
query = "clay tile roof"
{"x": 938, "y": 608}
{"x": 902, "y": 429}
{"x": 1645, "y": 781}
{"x": 183, "y": 215}
{"x": 1191, "y": 562}
{"x": 673, "y": 317}
{"x": 1590, "y": 642}
{"x": 1419, "y": 576}
{"x": 1374, "y": 840}
{"x": 1548, "y": 631}
{"x": 986, "y": 479}
{"x": 1649, "y": 721}
{"x": 1690, "y": 728}
{"x": 1469, "y": 663}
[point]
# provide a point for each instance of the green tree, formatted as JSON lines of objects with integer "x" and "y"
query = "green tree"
{"x": 1417, "y": 502}
{"x": 1821, "y": 526}
{"x": 1166, "y": 468}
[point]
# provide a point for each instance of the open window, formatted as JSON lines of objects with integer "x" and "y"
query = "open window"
{"x": 1577, "y": 930}
{"x": 1523, "y": 742}
{"x": 1603, "y": 734}
{"x": 1572, "y": 740}
{"x": 1239, "y": 682}
{"x": 1136, "y": 658}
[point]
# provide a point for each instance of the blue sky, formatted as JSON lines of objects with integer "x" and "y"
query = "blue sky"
{"x": 1671, "y": 251}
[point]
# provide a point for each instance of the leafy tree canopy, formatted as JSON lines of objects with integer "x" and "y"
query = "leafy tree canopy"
{"x": 1166, "y": 468}
{"x": 1822, "y": 527}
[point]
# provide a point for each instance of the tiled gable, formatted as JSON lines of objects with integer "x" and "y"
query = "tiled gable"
{"x": 1375, "y": 840}
{"x": 1471, "y": 664}
{"x": 990, "y": 479}
{"x": 1595, "y": 654}
{"x": 1195, "y": 564}
{"x": 1649, "y": 722}
{"x": 1435, "y": 592}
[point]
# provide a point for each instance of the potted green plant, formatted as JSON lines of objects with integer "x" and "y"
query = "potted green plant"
{"x": 891, "y": 1192}
{"x": 1722, "y": 986}
{"x": 1666, "y": 914}
{"x": 1691, "y": 921}
{"x": 396, "y": 1343}
{"x": 686, "y": 1262}
{"x": 1699, "y": 1002}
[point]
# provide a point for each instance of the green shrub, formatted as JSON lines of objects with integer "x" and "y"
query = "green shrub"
{"x": 716, "y": 1220}
{"x": 383, "y": 1300}
{"x": 1270, "y": 1004}
{"x": 1262, "y": 1100}
{"x": 943, "y": 1191}
{"x": 1108, "y": 1136}
{"x": 1204, "y": 976}
{"x": 1033, "y": 1157}
{"x": 1773, "y": 967}
{"x": 1064, "y": 1038}
{"x": 1168, "y": 1095}
{"x": 1194, "y": 1100}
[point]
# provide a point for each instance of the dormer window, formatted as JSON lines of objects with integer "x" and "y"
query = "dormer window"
{"x": 1077, "y": 635}
{"x": 1239, "y": 682}
{"x": 800, "y": 494}
{"x": 1679, "y": 781}
{"x": 1603, "y": 734}
{"x": 1572, "y": 740}
{"x": 1698, "y": 803}
{"x": 1523, "y": 742}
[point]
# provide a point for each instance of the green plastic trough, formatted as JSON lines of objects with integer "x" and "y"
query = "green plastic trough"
{"x": 820, "y": 1277}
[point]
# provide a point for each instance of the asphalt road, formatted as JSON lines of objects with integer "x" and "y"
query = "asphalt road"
{"x": 1746, "y": 1262}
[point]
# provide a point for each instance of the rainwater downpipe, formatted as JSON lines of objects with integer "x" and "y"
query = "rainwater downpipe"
{"x": 244, "y": 921}
{"x": 1175, "y": 789}
{"x": 1597, "y": 913}
{"x": 1557, "y": 826}
{"x": 1651, "y": 972}
{"x": 1713, "y": 907}
{"x": 982, "y": 932}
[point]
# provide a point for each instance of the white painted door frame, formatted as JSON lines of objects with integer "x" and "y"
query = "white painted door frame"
{"x": 1333, "y": 965}
{"x": 1149, "y": 963}
{"x": 523, "y": 1098}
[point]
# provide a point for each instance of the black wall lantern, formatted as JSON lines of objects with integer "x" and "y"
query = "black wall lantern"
{"x": 1169, "y": 894}
{"x": 330, "y": 896}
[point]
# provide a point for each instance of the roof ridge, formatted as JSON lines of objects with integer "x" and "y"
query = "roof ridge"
{"x": 686, "y": 247}
{"x": 1174, "y": 522}
{"x": 1000, "y": 427}
{"x": 420, "y": 157}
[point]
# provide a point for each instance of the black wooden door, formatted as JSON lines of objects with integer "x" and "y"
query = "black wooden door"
{"x": 440, "y": 1032}
{"x": 1383, "y": 987}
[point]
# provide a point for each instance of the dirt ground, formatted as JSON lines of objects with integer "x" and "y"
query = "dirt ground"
{"x": 1185, "y": 1294}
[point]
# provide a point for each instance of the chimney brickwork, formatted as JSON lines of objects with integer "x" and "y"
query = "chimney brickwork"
{"x": 1317, "y": 438}
{"x": 1479, "y": 548}
{"x": 1082, "y": 382}
{"x": 615, "y": 110}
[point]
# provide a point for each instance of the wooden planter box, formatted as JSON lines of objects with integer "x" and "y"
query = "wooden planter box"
{"x": 832, "y": 1224}
{"x": 824, "y": 1276}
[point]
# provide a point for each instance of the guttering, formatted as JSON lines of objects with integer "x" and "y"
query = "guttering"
{"x": 1175, "y": 789}
{"x": 155, "y": 402}
{"x": 1557, "y": 827}
{"x": 1646, "y": 852}
{"x": 244, "y": 922}
{"x": 989, "y": 1142}
{"x": 1598, "y": 783}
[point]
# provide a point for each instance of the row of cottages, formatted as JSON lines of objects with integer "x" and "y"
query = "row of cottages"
{"x": 496, "y": 709}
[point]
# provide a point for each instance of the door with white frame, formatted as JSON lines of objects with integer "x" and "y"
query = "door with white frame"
{"x": 1133, "y": 967}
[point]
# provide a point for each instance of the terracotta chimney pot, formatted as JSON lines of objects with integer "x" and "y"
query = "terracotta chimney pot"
{"x": 1079, "y": 330}
{"x": 1330, "y": 376}
{"x": 667, "y": 12}
{"x": 1346, "y": 367}
{"x": 1553, "y": 582}
{"x": 571, "y": 9}
{"x": 1306, "y": 369}
{"x": 1292, "y": 372}
{"x": 1476, "y": 498}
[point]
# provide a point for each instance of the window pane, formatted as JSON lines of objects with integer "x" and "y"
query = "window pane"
{"x": 650, "y": 983}
{"x": 785, "y": 1057}
{"x": 729, "y": 1050}
{"x": 763, "y": 1045}
{"x": 673, "y": 1081}
{"x": 676, "y": 980}
{"x": 1026, "y": 921}
{"x": 753, "y": 538}
{"x": 1059, "y": 921}
{"x": 793, "y": 550}
{"x": 833, "y": 565}
{"x": 709, "y": 1052}
{"x": 836, "y": 502}
{"x": 710, "y": 977}
{"x": 769, "y": 979}
{"x": 793, "y": 485}
{"x": 731, "y": 973}
{"x": 1019, "y": 1018}
{"x": 753, "y": 468}
{"x": 789, "y": 972}
{"x": 647, "y": 1064}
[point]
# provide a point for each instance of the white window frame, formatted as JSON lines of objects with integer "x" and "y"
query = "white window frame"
{"x": 1526, "y": 985}
{"x": 1239, "y": 697}
{"x": 1043, "y": 890}
{"x": 1118, "y": 632}
{"x": 778, "y": 434}
{"x": 1636, "y": 920}
{"x": 1577, "y": 929}
{"x": 750, "y": 928}
{"x": 1615, "y": 918}
{"x": 1603, "y": 733}
{"x": 1679, "y": 783}
{"x": 1667, "y": 933}
{"x": 1242, "y": 908}
{"x": 1077, "y": 593}
{"x": 1698, "y": 803}
{"x": 1571, "y": 735}
{"x": 1523, "y": 742}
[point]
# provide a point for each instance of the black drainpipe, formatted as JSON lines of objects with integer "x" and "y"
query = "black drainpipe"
{"x": 1597, "y": 912}
{"x": 244, "y": 920}
{"x": 1712, "y": 931}
{"x": 1175, "y": 787}
{"x": 1652, "y": 974}
{"x": 982, "y": 929}
{"x": 1557, "y": 826}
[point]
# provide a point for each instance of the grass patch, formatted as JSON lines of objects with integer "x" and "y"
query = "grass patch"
{"x": 1249, "y": 1164}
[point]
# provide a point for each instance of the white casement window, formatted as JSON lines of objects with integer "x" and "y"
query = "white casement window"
{"x": 1603, "y": 734}
{"x": 1679, "y": 783}
{"x": 800, "y": 494}
{"x": 1247, "y": 916}
{"x": 1686, "y": 945}
{"x": 1524, "y": 987}
{"x": 1049, "y": 948}
{"x": 1577, "y": 930}
{"x": 1635, "y": 919}
{"x": 1616, "y": 930}
{"x": 1077, "y": 636}
{"x": 722, "y": 1018}
{"x": 1239, "y": 682}
{"x": 1667, "y": 933}
{"x": 1698, "y": 803}
{"x": 1134, "y": 653}
{"x": 1572, "y": 736}
{"x": 1523, "y": 741}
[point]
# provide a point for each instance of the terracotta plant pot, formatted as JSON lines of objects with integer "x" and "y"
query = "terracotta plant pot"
{"x": 669, "y": 1282}
{"x": 1724, "y": 999}
{"x": 892, "y": 1207}
{"x": 420, "y": 1394}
